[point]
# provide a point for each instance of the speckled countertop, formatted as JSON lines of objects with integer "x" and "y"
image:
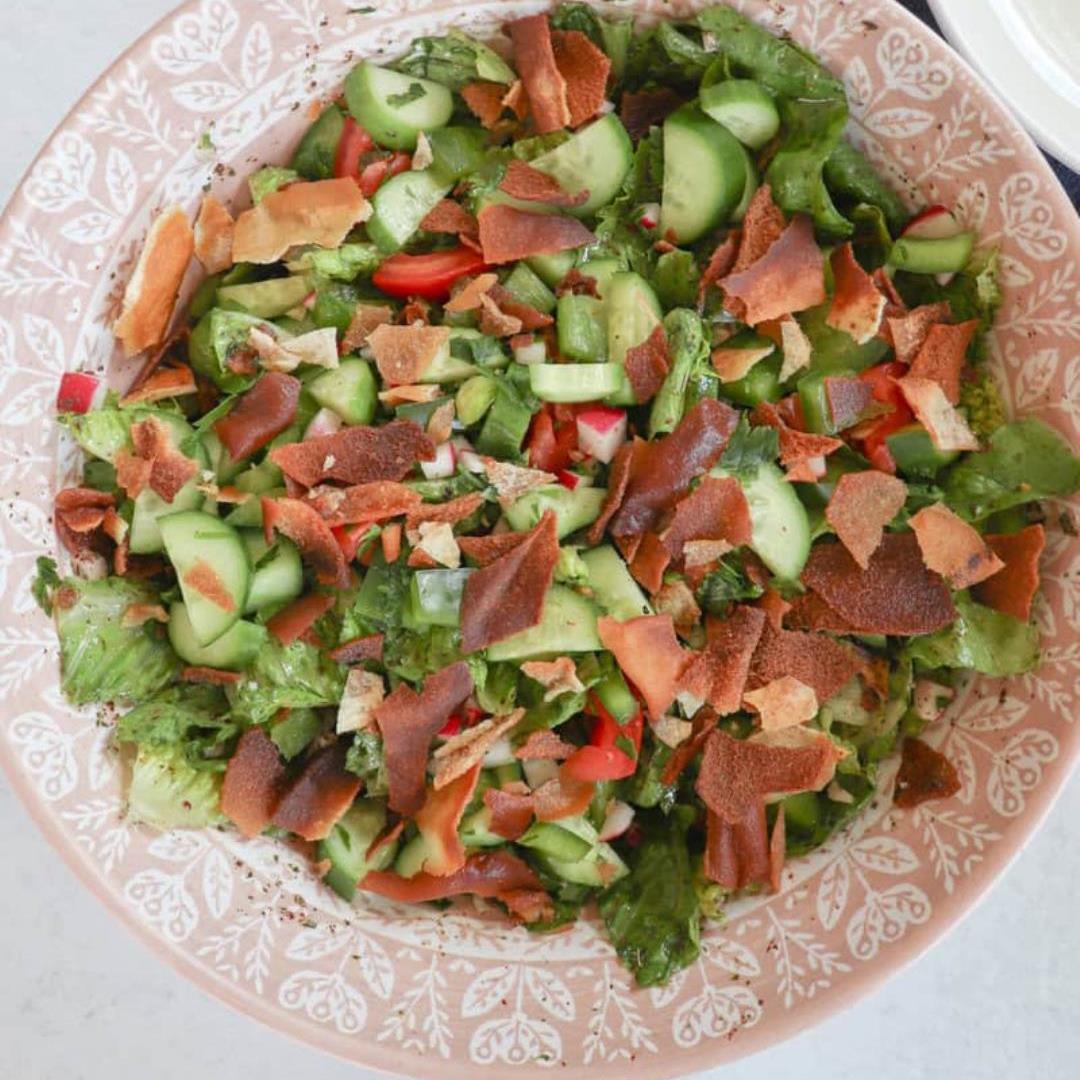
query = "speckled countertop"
{"x": 80, "y": 999}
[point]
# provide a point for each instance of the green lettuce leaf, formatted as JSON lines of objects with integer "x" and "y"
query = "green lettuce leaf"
{"x": 345, "y": 263}
{"x": 653, "y": 916}
{"x": 46, "y": 579}
{"x": 454, "y": 60}
{"x": 367, "y": 760}
{"x": 982, "y": 640}
{"x": 851, "y": 178}
{"x": 269, "y": 179}
{"x": 1026, "y": 461}
{"x": 292, "y": 676}
{"x": 168, "y": 793}
{"x": 194, "y": 719}
{"x": 101, "y": 660}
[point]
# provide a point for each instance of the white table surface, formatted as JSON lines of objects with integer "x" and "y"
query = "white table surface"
{"x": 80, "y": 999}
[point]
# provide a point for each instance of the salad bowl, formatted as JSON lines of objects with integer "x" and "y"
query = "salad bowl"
{"x": 222, "y": 86}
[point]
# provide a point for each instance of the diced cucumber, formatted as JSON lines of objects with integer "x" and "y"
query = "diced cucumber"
{"x": 475, "y": 830}
{"x": 457, "y": 152}
{"x": 614, "y": 589}
{"x": 779, "y": 526}
{"x": 435, "y": 596}
{"x": 232, "y": 651}
{"x": 597, "y": 869}
{"x": 573, "y": 509}
{"x": 551, "y": 269}
{"x": 350, "y": 390}
{"x": 277, "y": 574}
{"x": 212, "y": 342}
{"x": 315, "y": 156}
{"x": 832, "y": 351}
{"x": 525, "y": 286}
{"x": 420, "y": 412}
{"x": 547, "y": 838}
{"x": 447, "y": 367}
{"x": 506, "y": 424}
{"x": 568, "y": 625}
{"x": 802, "y": 812}
{"x": 568, "y": 383}
{"x": 401, "y": 204}
{"x": 394, "y": 108}
{"x": 915, "y": 453}
{"x": 144, "y": 538}
{"x": 266, "y": 299}
{"x": 596, "y": 159}
{"x": 347, "y": 845}
{"x": 633, "y": 313}
{"x": 601, "y": 270}
{"x": 212, "y": 567}
{"x": 218, "y": 458}
{"x": 410, "y": 857}
{"x": 941, "y": 255}
{"x": 704, "y": 174}
{"x": 473, "y": 399}
{"x": 582, "y": 333}
{"x": 615, "y": 695}
{"x": 294, "y": 731}
{"x": 335, "y": 305}
{"x": 745, "y": 108}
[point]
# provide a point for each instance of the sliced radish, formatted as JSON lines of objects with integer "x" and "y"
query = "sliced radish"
{"x": 538, "y": 772}
{"x": 601, "y": 431}
{"x": 618, "y": 817}
{"x": 571, "y": 480}
{"x": 533, "y": 353}
{"x": 649, "y": 216}
{"x": 934, "y": 223}
{"x": 77, "y": 392}
{"x": 324, "y": 422}
{"x": 444, "y": 464}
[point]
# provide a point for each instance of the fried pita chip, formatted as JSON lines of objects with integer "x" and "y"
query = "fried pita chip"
{"x": 303, "y": 526}
{"x": 364, "y": 503}
{"x": 948, "y": 429}
{"x": 254, "y": 782}
{"x": 763, "y": 225}
{"x": 408, "y": 721}
{"x": 784, "y": 702}
{"x": 508, "y": 234}
{"x": 170, "y": 470}
{"x": 720, "y": 264}
{"x": 466, "y": 750}
{"x": 214, "y": 236}
{"x": 484, "y": 550}
{"x": 176, "y": 380}
{"x": 718, "y": 673}
{"x": 155, "y": 283}
{"x": 952, "y": 548}
{"x": 366, "y": 319}
{"x": 319, "y": 212}
{"x": 649, "y": 655}
{"x": 495, "y": 322}
{"x": 676, "y": 598}
{"x": 647, "y": 365}
{"x": 796, "y": 346}
{"x": 896, "y": 594}
{"x": 643, "y": 109}
{"x": 738, "y": 855}
{"x": 857, "y": 307}
{"x": 485, "y": 101}
{"x": 512, "y": 481}
{"x": 925, "y": 774}
{"x": 511, "y": 811}
{"x": 316, "y": 799}
{"x": 861, "y": 505}
{"x": 649, "y": 562}
{"x": 524, "y": 182}
{"x": 618, "y": 481}
{"x": 508, "y": 596}
{"x": 943, "y": 354}
{"x": 821, "y": 662}
{"x": 364, "y": 693}
{"x": 1013, "y": 588}
{"x": 450, "y": 218}
{"x": 557, "y": 677}
{"x": 585, "y": 70}
{"x": 534, "y": 59}
{"x": 472, "y": 292}
{"x": 715, "y": 510}
{"x": 907, "y": 332}
{"x": 403, "y": 354}
{"x": 734, "y": 364}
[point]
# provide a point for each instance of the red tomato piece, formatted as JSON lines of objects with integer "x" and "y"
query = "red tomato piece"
{"x": 426, "y": 276}
{"x": 353, "y": 144}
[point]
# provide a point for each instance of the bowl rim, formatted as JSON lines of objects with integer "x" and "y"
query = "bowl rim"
{"x": 392, "y": 1059}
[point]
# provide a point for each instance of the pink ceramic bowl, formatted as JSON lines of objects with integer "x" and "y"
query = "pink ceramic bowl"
{"x": 223, "y": 84}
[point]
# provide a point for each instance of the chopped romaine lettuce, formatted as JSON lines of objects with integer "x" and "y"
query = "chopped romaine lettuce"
{"x": 268, "y": 180}
{"x": 454, "y": 60}
{"x": 166, "y": 792}
{"x": 286, "y": 676}
{"x": 367, "y": 760}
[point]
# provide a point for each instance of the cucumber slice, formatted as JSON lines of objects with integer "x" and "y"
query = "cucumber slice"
{"x": 475, "y": 830}
{"x": 944, "y": 255}
{"x": 568, "y": 625}
{"x": 347, "y": 845}
{"x": 915, "y": 454}
{"x": 149, "y": 507}
{"x": 395, "y": 108}
{"x": 474, "y": 397}
{"x": 614, "y": 589}
{"x": 633, "y": 313}
{"x": 411, "y": 856}
{"x": 248, "y": 515}
{"x": 704, "y": 175}
{"x": 266, "y": 299}
{"x": 549, "y": 839}
{"x": 738, "y": 215}
{"x": 349, "y": 389}
{"x": 596, "y": 159}
{"x": 745, "y": 108}
{"x": 573, "y": 509}
{"x": 277, "y": 575}
{"x": 400, "y": 205}
{"x": 213, "y": 570}
{"x": 315, "y": 156}
{"x": 234, "y": 650}
{"x": 259, "y": 479}
{"x": 551, "y": 269}
{"x": 575, "y": 382}
{"x": 600, "y": 868}
{"x": 779, "y": 526}
{"x": 435, "y": 596}
{"x": 601, "y": 271}
{"x": 457, "y": 152}
{"x": 524, "y": 285}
